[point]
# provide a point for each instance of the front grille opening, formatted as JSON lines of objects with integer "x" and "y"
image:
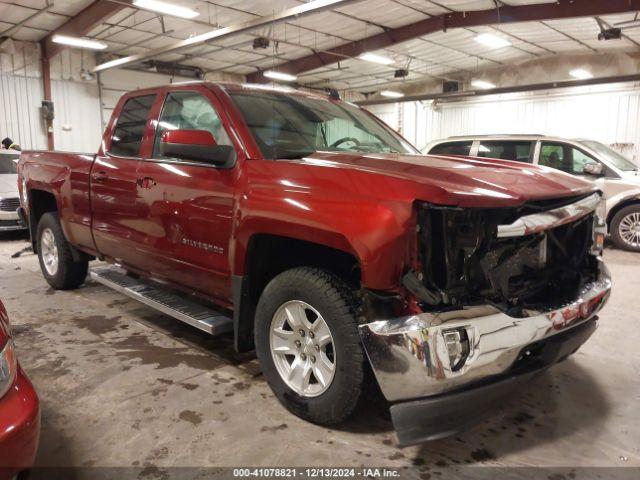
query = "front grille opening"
{"x": 466, "y": 264}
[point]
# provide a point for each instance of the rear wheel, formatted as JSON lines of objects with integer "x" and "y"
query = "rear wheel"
{"x": 58, "y": 267}
{"x": 308, "y": 344}
{"x": 625, "y": 228}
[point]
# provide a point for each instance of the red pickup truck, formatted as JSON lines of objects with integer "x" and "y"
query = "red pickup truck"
{"x": 325, "y": 241}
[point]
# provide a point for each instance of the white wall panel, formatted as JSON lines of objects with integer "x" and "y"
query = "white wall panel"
{"x": 77, "y": 126}
{"x": 20, "y": 98}
{"x": 609, "y": 113}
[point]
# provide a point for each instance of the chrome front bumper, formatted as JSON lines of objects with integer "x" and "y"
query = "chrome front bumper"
{"x": 410, "y": 359}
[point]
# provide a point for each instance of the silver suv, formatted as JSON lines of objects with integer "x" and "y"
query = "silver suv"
{"x": 616, "y": 176}
{"x": 9, "y": 199}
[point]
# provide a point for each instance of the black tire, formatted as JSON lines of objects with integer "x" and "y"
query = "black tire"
{"x": 69, "y": 274}
{"x": 617, "y": 238}
{"x": 337, "y": 304}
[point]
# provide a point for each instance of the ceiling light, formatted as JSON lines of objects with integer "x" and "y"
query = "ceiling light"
{"x": 285, "y": 77}
{"x": 482, "y": 84}
{"x": 79, "y": 42}
{"x": 581, "y": 74}
{"x": 492, "y": 40}
{"x": 373, "y": 58}
{"x": 391, "y": 94}
{"x": 166, "y": 8}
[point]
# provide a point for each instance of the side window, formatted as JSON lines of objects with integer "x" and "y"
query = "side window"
{"x": 452, "y": 148}
{"x": 519, "y": 151}
{"x": 564, "y": 157}
{"x": 129, "y": 129}
{"x": 189, "y": 111}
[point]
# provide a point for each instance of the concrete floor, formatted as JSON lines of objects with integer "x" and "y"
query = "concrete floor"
{"x": 122, "y": 385}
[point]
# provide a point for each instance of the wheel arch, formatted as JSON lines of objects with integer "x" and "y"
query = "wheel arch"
{"x": 268, "y": 255}
{"x": 40, "y": 202}
{"x": 635, "y": 200}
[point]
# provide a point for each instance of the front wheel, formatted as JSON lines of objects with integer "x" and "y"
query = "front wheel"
{"x": 625, "y": 228}
{"x": 308, "y": 344}
{"x": 58, "y": 267}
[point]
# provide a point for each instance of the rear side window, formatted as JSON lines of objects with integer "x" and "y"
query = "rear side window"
{"x": 127, "y": 135}
{"x": 519, "y": 151}
{"x": 452, "y": 148}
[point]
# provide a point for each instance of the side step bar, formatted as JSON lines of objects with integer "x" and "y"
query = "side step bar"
{"x": 188, "y": 311}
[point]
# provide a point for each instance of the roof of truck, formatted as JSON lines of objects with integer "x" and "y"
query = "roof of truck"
{"x": 238, "y": 87}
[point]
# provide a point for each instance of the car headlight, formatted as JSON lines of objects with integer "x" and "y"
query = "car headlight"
{"x": 8, "y": 367}
{"x": 599, "y": 228}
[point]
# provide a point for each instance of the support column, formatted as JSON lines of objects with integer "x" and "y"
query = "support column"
{"x": 46, "y": 83}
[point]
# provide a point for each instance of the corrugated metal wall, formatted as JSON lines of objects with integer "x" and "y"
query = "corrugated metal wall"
{"x": 20, "y": 98}
{"x": 609, "y": 113}
{"x": 77, "y": 127}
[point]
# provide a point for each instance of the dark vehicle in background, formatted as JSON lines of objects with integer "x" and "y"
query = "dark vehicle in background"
{"x": 19, "y": 409}
{"x": 9, "y": 197}
{"x": 321, "y": 238}
{"x": 616, "y": 176}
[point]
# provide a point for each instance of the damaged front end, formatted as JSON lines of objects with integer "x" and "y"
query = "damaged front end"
{"x": 536, "y": 256}
{"x": 504, "y": 293}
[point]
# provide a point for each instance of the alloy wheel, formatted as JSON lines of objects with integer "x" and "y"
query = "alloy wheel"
{"x": 629, "y": 229}
{"x": 49, "y": 251}
{"x": 302, "y": 348}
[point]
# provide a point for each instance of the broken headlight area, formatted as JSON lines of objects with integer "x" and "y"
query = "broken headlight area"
{"x": 464, "y": 262}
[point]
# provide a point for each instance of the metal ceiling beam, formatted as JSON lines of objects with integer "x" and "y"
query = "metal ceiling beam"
{"x": 80, "y": 24}
{"x": 505, "y": 14}
{"x": 513, "y": 89}
{"x": 314, "y": 6}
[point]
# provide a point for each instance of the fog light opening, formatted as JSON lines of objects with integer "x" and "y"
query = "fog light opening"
{"x": 457, "y": 342}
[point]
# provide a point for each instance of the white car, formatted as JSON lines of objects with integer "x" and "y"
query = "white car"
{"x": 9, "y": 197}
{"x": 617, "y": 177}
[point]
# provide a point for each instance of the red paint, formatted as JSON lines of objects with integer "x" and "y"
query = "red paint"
{"x": 19, "y": 418}
{"x": 361, "y": 204}
{"x": 189, "y": 137}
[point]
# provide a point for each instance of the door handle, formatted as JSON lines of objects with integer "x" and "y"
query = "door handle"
{"x": 146, "y": 182}
{"x": 100, "y": 176}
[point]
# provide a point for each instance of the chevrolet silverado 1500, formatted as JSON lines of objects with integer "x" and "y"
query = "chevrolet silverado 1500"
{"x": 325, "y": 241}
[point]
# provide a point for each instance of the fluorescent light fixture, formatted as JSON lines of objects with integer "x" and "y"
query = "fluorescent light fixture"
{"x": 79, "y": 42}
{"x": 285, "y": 77}
{"x": 373, "y": 58}
{"x": 166, "y": 8}
{"x": 482, "y": 84}
{"x": 581, "y": 74}
{"x": 492, "y": 41}
{"x": 391, "y": 94}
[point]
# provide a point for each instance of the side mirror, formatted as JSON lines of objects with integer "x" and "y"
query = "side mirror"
{"x": 196, "y": 145}
{"x": 593, "y": 168}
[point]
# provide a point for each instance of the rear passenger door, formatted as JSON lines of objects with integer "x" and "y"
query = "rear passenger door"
{"x": 116, "y": 208}
{"x": 515, "y": 150}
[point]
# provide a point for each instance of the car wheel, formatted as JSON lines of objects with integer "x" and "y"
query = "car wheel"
{"x": 625, "y": 228}
{"x": 58, "y": 267}
{"x": 308, "y": 344}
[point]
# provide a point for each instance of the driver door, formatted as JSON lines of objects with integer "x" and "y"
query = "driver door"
{"x": 189, "y": 204}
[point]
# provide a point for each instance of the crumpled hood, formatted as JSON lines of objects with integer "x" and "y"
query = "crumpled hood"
{"x": 8, "y": 185}
{"x": 464, "y": 181}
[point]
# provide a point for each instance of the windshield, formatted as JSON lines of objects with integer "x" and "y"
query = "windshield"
{"x": 292, "y": 126}
{"x": 9, "y": 164}
{"x": 611, "y": 156}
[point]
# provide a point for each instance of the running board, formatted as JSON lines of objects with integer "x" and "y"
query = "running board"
{"x": 185, "y": 310}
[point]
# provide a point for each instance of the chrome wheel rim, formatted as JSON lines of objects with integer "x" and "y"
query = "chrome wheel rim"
{"x": 629, "y": 229}
{"x": 49, "y": 251}
{"x": 302, "y": 348}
